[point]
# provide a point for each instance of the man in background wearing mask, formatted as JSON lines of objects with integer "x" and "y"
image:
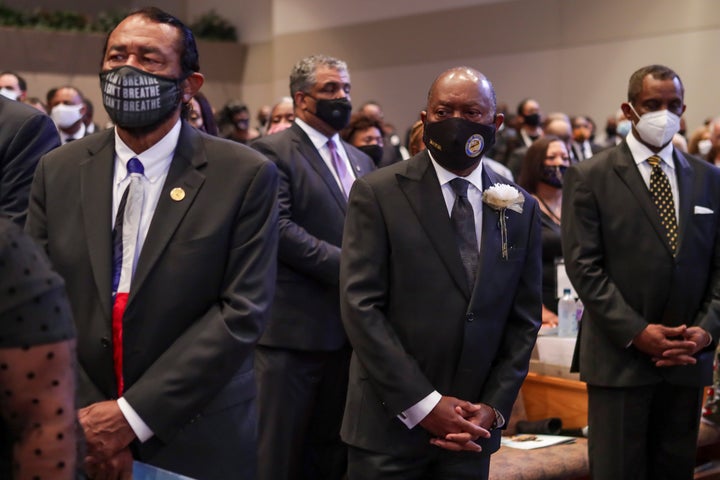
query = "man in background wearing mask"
{"x": 440, "y": 297}
{"x": 529, "y": 127}
{"x": 302, "y": 358}
{"x": 13, "y": 86}
{"x": 641, "y": 241}
{"x": 67, "y": 108}
{"x": 168, "y": 318}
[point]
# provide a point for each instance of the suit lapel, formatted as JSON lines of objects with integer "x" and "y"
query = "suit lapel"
{"x": 625, "y": 167}
{"x": 96, "y": 175}
{"x": 490, "y": 248}
{"x": 360, "y": 169}
{"x": 422, "y": 189}
{"x": 183, "y": 174}
{"x": 684, "y": 175}
{"x": 310, "y": 153}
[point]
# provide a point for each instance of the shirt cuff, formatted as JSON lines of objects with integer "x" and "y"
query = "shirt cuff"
{"x": 142, "y": 431}
{"x": 415, "y": 414}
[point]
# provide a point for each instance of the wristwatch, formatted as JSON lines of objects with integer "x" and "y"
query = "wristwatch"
{"x": 499, "y": 419}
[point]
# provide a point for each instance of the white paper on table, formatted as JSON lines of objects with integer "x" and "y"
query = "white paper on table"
{"x": 539, "y": 441}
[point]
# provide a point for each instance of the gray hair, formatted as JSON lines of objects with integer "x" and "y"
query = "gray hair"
{"x": 302, "y": 76}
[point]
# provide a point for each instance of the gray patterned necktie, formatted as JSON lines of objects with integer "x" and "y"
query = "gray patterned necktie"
{"x": 463, "y": 221}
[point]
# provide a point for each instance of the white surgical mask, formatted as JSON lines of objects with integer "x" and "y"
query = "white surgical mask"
{"x": 704, "y": 146}
{"x": 9, "y": 93}
{"x": 65, "y": 116}
{"x": 657, "y": 128}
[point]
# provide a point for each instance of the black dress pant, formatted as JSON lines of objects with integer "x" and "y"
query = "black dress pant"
{"x": 643, "y": 433}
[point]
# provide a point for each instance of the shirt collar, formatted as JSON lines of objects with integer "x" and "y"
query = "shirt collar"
{"x": 318, "y": 139}
{"x": 640, "y": 152}
{"x": 75, "y": 136}
{"x": 445, "y": 175}
{"x": 155, "y": 159}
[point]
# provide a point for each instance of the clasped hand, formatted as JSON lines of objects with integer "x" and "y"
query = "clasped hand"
{"x": 457, "y": 423}
{"x": 108, "y": 436}
{"x": 669, "y": 346}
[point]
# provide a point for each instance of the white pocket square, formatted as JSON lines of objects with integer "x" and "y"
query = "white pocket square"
{"x": 702, "y": 210}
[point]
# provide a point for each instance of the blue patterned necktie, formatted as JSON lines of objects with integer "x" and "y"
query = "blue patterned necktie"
{"x": 463, "y": 221}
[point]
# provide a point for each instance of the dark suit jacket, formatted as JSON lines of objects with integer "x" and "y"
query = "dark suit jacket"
{"x": 200, "y": 295}
{"x": 623, "y": 270}
{"x": 26, "y": 134}
{"x": 414, "y": 323}
{"x": 305, "y": 314}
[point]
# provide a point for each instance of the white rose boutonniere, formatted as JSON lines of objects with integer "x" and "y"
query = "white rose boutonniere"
{"x": 500, "y": 197}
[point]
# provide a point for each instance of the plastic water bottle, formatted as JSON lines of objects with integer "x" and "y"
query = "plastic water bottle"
{"x": 567, "y": 315}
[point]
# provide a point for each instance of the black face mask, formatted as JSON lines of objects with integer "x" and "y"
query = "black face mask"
{"x": 553, "y": 175}
{"x": 242, "y": 124}
{"x": 137, "y": 99}
{"x": 335, "y": 111}
{"x": 373, "y": 151}
{"x": 610, "y": 131}
{"x": 532, "y": 120}
{"x": 458, "y": 144}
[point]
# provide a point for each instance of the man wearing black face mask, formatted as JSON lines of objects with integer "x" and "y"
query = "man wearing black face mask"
{"x": 440, "y": 297}
{"x": 169, "y": 302}
{"x": 302, "y": 359}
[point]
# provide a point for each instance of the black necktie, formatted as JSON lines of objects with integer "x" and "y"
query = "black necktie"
{"x": 663, "y": 198}
{"x": 463, "y": 221}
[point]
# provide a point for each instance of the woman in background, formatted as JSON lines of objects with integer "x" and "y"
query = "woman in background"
{"x": 541, "y": 175}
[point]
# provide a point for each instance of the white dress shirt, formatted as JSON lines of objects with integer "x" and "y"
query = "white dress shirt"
{"x": 156, "y": 162}
{"x": 319, "y": 140}
{"x": 641, "y": 153}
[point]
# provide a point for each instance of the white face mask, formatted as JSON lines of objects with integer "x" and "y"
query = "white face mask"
{"x": 657, "y": 128}
{"x": 9, "y": 93}
{"x": 704, "y": 146}
{"x": 65, "y": 116}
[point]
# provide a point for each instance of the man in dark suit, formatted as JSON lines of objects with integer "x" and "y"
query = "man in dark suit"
{"x": 171, "y": 381}
{"x": 582, "y": 145}
{"x": 303, "y": 356}
{"x": 641, "y": 239}
{"x": 25, "y": 135}
{"x": 441, "y": 330}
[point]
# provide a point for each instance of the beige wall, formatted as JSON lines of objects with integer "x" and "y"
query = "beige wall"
{"x": 571, "y": 55}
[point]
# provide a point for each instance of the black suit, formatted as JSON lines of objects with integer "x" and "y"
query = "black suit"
{"x": 623, "y": 270}
{"x": 415, "y": 324}
{"x": 303, "y": 354}
{"x": 198, "y": 300}
{"x": 26, "y": 134}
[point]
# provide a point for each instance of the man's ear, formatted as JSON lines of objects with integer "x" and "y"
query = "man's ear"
{"x": 627, "y": 111}
{"x": 191, "y": 85}
{"x": 499, "y": 119}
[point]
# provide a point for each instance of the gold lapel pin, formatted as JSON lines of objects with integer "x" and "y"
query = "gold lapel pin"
{"x": 177, "y": 194}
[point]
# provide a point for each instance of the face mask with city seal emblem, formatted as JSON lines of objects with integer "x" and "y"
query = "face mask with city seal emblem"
{"x": 458, "y": 144}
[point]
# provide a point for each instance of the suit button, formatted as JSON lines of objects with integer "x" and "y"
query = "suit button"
{"x": 470, "y": 317}
{"x": 105, "y": 342}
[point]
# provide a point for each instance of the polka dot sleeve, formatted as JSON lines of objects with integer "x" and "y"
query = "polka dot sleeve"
{"x": 37, "y": 355}
{"x": 33, "y": 305}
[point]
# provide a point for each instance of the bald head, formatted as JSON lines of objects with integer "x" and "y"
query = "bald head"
{"x": 458, "y": 78}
